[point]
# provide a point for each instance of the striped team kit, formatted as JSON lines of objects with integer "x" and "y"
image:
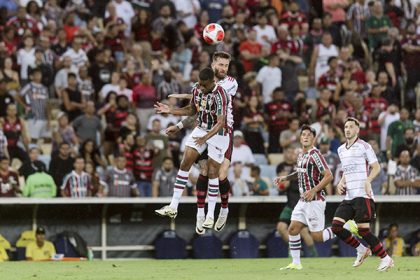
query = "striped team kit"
{"x": 209, "y": 106}
{"x": 310, "y": 166}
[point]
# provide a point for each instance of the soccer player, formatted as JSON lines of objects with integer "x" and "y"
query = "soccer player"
{"x": 220, "y": 66}
{"x": 313, "y": 176}
{"x": 355, "y": 156}
{"x": 210, "y": 101}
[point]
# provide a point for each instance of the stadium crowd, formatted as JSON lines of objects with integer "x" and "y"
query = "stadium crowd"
{"x": 78, "y": 81}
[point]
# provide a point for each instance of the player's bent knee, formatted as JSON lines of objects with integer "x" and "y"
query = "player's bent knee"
{"x": 317, "y": 236}
{"x": 337, "y": 226}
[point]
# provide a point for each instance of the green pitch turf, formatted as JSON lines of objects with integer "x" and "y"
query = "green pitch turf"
{"x": 407, "y": 268}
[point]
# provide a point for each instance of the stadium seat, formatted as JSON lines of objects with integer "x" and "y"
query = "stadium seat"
{"x": 268, "y": 171}
{"x": 168, "y": 245}
{"x": 260, "y": 159}
{"x": 70, "y": 244}
{"x": 244, "y": 245}
{"x": 275, "y": 159}
{"x": 276, "y": 247}
{"x": 324, "y": 249}
{"x": 207, "y": 246}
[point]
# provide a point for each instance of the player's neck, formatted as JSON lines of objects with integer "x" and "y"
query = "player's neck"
{"x": 352, "y": 140}
{"x": 306, "y": 149}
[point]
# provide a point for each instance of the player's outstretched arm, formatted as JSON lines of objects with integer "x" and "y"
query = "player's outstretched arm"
{"x": 181, "y": 95}
{"x": 188, "y": 110}
{"x": 292, "y": 176}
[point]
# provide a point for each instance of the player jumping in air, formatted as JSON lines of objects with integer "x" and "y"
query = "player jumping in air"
{"x": 210, "y": 101}
{"x": 313, "y": 176}
{"x": 220, "y": 65}
{"x": 356, "y": 156}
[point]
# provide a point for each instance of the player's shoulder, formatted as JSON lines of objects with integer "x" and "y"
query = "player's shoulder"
{"x": 363, "y": 144}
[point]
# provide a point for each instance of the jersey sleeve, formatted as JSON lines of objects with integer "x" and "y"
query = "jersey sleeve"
{"x": 398, "y": 175}
{"x": 320, "y": 161}
{"x": 221, "y": 100}
{"x": 370, "y": 154}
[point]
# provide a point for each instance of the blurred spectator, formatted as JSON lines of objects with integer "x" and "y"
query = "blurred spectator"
{"x": 377, "y": 25}
{"x": 34, "y": 98}
{"x": 409, "y": 141}
{"x": 114, "y": 86}
{"x": 242, "y": 153}
{"x": 143, "y": 166}
{"x": 239, "y": 185}
{"x": 30, "y": 166}
{"x": 330, "y": 79}
{"x": 5, "y": 97}
{"x": 63, "y": 132}
{"x": 60, "y": 81}
{"x": 120, "y": 181}
{"x": 336, "y": 9}
{"x": 265, "y": 33}
{"x": 320, "y": 56}
{"x": 385, "y": 119}
{"x": 26, "y": 57}
{"x": 287, "y": 167}
{"x": 168, "y": 86}
{"x": 40, "y": 184}
{"x": 290, "y": 137}
{"x": 411, "y": 58}
{"x": 214, "y": 8}
{"x": 73, "y": 103}
{"x": 77, "y": 183}
{"x": 332, "y": 160}
{"x": 357, "y": 15}
{"x": 98, "y": 186}
{"x": 379, "y": 184}
{"x": 269, "y": 78}
{"x": 11, "y": 79}
{"x": 85, "y": 85}
{"x": 395, "y": 134}
{"x": 393, "y": 244}
{"x": 88, "y": 126}
{"x": 14, "y": 128}
{"x": 61, "y": 163}
{"x": 250, "y": 51}
{"x": 164, "y": 178}
{"x": 76, "y": 53}
{"x": 278, "y": 113}
{"x": 259, "y": 186}
{"x": 91, "y": 153}
{"x": 325, "y": 109}
{"x": 144, "y": 97}
{"x": 407, "y": 179}
{"x": 253, "y": 126}
{"x": 101, "y": 70}
{"x": 159, "y": 143}
{"x": 9, "y": 181}
{"x": 3, "y": 145}
{"x": 41, "y": 249}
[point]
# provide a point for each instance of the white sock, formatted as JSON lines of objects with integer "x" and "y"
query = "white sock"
{"x": 212, "y": 194}
{"x": 295, "y": 246}
{"x": 224, "y": 211}
{"x": 180, "y": 183}
{"x": 360, "y": 248}
{"x": 200, "y": 212}
{"x": 327, "y": 234}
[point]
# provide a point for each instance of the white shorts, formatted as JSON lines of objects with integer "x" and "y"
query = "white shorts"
{"x": 311, "y": 214}
{"x": 216, "y": 145}
{"x": 38, "y": 129}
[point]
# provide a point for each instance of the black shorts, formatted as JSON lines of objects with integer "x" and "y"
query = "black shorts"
{"x": 360, "y": 209}
{"x": 228, "y": 153}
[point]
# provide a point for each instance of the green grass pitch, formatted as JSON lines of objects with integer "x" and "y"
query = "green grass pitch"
{"x": 407, "y": 268}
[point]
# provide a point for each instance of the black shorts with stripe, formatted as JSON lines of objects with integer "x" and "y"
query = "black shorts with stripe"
{"x": 360, "y": 209}
{"x": 228, "y": 153}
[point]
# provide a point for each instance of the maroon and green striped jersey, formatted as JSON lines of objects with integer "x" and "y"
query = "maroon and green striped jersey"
{"x": 209, "y": 106}
{"x": 310, "y": 166}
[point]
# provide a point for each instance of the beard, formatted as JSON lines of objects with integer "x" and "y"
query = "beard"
{"x": 219, "y": 75}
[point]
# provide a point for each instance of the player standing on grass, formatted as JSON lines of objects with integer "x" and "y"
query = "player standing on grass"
{"x": 356, "y": 156}
{"x": 220, "y": 65}
{"x": 313, "y": 176}
{"x": 210, "y": 101}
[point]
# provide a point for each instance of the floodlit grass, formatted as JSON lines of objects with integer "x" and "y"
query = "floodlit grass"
{"x": 224, "y": 269}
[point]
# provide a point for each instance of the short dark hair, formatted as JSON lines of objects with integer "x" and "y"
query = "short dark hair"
{"x": 206, "y": 74}
{"x": 308, "y": 127}
{"x": 256, "y": 168}
{"x": 351, "y": 119}
{"x": 71, "y": 75}
{"x": 35, "y": 70}
{"x": 167, "y": 158}
{"x": 331, "y": 59}
{"x": 79, "y": 157}
{"x": 3, "y": 158}
{"x": 221, "y": 54}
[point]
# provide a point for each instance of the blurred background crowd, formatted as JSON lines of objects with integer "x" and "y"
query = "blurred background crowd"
{"x": 78, "y": 81}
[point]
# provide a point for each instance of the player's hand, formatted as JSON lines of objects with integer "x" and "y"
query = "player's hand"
{"x": 341, "y": 188}
{"x": 171, "y": 130}
{"x": 162, "y": 108}
{"x": 277, "y": 181}
{"x": 309, "y": 195}
{"x": 368, "y": 189}
{"x": 180, "y": 95}
{"x": 200, "y": 140}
